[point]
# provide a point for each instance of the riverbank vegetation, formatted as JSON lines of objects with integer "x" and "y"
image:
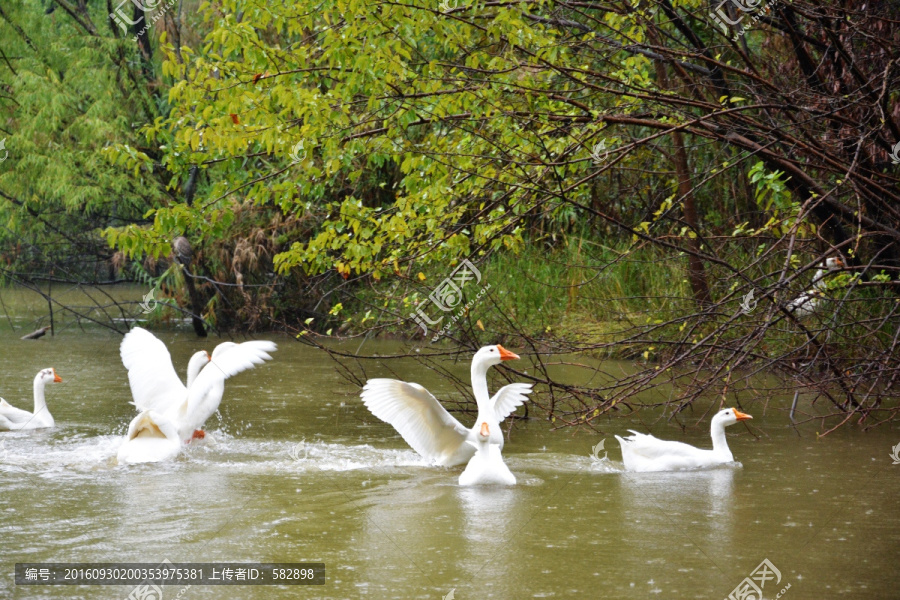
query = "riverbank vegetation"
{"x": 640, "y": 180}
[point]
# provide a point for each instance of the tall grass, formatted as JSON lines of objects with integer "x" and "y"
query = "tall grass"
{"x": 585, "y": 289}
{"x": 578, "y": 287}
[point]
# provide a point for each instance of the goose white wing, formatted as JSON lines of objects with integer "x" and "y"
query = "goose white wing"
{"x": 154, "y": 383}
{"x": 509, "y": 398}
{"x": 652, "y": 448}
{"x": 642, "y": 452}
{"x": 225, "y": 364}
{"x": 14, "y": 415}
{"x": 417, "y": 416}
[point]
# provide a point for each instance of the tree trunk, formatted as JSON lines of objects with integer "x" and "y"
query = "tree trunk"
{"x": 696, "y": 271}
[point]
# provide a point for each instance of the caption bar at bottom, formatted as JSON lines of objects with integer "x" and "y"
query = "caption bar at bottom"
{"x": 170, "y": 573}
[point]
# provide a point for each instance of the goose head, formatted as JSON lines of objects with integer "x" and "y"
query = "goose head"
{"x": 729, "y": 416}
{"x": 834, "y": 263}
{"x": 46, "y": 376}
{"x": 489, "y": 356}
{"x": 199, "y": 359}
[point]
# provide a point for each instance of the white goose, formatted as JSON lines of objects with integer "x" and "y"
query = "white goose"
{"x": 155, "y": 386}
{"x": 643, "y": 453}
{"x": 427, "y": 426}
{"x": 806, "y": 303}
{"x": 14, "y": 419}
{"x": 486, "y": 466}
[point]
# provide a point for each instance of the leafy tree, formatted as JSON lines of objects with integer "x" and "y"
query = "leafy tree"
{"x": 377, "y": 141}
{"x": 418, "y": 132}
{"x": 68, "y": 93}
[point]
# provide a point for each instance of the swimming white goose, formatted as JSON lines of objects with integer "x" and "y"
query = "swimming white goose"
{"x": 14, "y": 419}
{"x": 643, "y": 453}
{"x": 427, "y": 426}
{"x": 486, "y": 466}
{"x": 151, "y": 437}
{"x": 806, "y": 303}
{"x": 155, "y": 386}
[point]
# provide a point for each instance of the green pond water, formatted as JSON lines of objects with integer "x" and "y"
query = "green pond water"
{"x": 298, "y": 471}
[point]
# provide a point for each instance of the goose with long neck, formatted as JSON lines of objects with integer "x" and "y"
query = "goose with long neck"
{"x": 427, "y": 426}
{"x": 486, "y": 467}
{"x": 217, "y": 389}
{"x": 12, "y": 418}
{"x": 481, "y": 362}
{"x": 195, "y": 365}
{"x": 156, "y": 388}
{"x": 643, "y": 453}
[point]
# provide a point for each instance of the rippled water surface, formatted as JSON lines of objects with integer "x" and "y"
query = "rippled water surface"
{"x": 297, "y": 470}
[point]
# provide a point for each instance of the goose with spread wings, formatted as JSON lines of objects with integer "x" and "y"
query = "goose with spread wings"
{"x": 427, "y": 426}
{"x": 168, "y": 408}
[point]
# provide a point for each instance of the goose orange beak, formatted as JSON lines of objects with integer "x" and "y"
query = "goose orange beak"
{"x": 485, "y": 430}
{"x": 741, "y": 416}
{"x": 506, "y": 354}
{"x": 56, "y": 378}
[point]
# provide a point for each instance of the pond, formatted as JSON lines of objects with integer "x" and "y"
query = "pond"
{"x": 297, "y": 470}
